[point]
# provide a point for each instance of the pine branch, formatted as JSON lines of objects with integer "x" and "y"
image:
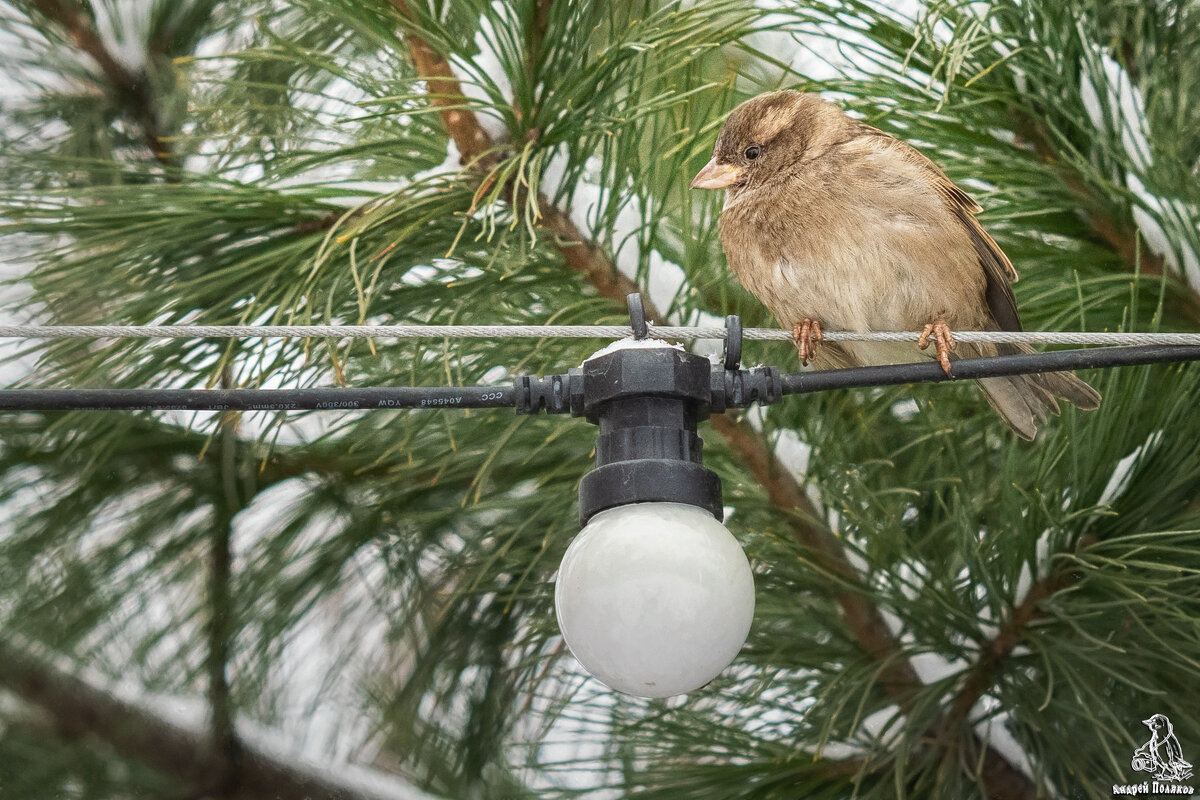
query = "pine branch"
{"x": 787, "y": 496}
{"x": 166, "y": 442}
{"x": 584, "y": 256}
{"x": 1000, "y": 648}
{"x": 898, "y": 678}
{"x": 473, "y": 142}
{"x": 133, "y": 89}
{"x": 82, "y": 709}
{"x": 998, "y": 651}
{"x": 1122, "y": 237}
{"x": 580, "y": 254}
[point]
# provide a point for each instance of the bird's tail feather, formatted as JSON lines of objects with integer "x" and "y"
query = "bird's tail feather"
{"x": 1026, "y": 401}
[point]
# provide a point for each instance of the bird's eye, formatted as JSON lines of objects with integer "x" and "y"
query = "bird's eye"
{"x": 753, "y": 152}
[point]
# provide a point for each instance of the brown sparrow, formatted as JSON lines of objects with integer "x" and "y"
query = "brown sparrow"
{"x": 835, "y": 225}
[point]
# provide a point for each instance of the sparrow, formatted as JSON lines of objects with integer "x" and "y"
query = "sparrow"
{"x": 837, "y": 226}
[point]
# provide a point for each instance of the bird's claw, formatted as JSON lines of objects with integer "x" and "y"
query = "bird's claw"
{"x": 943, "y": 341}
{"x": 806, "y": 334}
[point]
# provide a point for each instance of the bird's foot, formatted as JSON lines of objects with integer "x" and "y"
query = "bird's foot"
{"x": 806, "y": 334}
{"x": 943, "y": 341}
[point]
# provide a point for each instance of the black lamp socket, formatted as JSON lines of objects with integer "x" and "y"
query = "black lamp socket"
{"x": 647, "y": 403}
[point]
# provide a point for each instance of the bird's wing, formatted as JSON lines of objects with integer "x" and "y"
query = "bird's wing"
{"x": 999, "y": 270}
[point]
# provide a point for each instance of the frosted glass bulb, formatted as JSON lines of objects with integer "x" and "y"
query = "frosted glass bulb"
{"x": 654, "y": 599}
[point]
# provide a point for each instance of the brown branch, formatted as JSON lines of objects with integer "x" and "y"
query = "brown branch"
{"x": 537, "y": 33}
{"x": 786, "y": 495}
{"x": 446, "y": 93}
{"x": 535, "y": 38}
{"x": 81, "y": 709}
{"x": 1000, "y": 648}
{"x": 1120, "y": 235}
{"x": 581, "y": 255}
{"x": 993, "y": 657}
{"x": 133, "y": 89}
{"x": 897, "y": 676}
{"x": 584, "y": 256}
{"x": 1002, "y": 781}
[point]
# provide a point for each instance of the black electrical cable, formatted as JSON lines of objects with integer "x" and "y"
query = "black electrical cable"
{"x": 430, "y": 397}
{"x": 257, "y": 399}
{"x": 996, "y": 366}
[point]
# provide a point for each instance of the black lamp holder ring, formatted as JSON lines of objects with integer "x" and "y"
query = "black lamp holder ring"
{"x": 733, "y": 342}
{"x": 637, "y": 316}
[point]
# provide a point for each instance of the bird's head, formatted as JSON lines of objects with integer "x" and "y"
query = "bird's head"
{"x": 768, "y": 136}
{"x": 1157, "y": 723}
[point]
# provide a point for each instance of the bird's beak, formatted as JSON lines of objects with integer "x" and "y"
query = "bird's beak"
{"x": 717, "y": 176}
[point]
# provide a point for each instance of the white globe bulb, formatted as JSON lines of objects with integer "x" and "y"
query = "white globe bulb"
{"x": 654, "y": 599}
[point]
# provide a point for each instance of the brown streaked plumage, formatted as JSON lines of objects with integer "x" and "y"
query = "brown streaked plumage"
{"x": 836, "y": 225}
